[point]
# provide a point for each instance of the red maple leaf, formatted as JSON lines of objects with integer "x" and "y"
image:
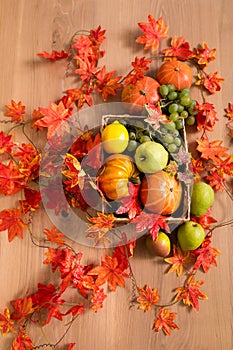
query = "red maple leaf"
{"x": 97, "y": 299}
{"x": 131, "y": 204}
{"x": 211, "y": 150}
{"x": 22, "y": 341}
{"x": 206, "y": 255}
{"x": 216, "y": 179}
{"x": 205, "y": 220}
{"x": 16, "y": 111}
{"x": 99, "y": 227}
{"x": 140, "y": 66}
{"x": 179, "y": 260}
{"x": 151, "y": 222}
{"x": 204, "y": 55}
{"x": 11, "y": 178}
{"x": 22, "y": 308}
{"x": 6, "y": 143}
{"x": 110, "y": 272}
{"x": 147, "y": 298}
{"x": 206, "y": 116}
{"x": 211, "y": 82}
{"x": 6, "y": 323}
{"x": 179, "y": 48}
{"x": 106, "y": 84}
{"x": 53, "y": 117}
{"x": 124, "y": 251}
{"x": 10, "y": 219}
{"x": 54, "y": 236}
{"x": 153, "y": 31}
{"x": 71, "y": 346}
{"x": 54, "y": 56}
{"x": 164, "y": 321}
{"x": 197, "y": 167}
{"x": 190, "y": 293}
{"x": 32, "y": 200}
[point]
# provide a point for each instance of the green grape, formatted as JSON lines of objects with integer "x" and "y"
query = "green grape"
{"x": 171, "y": 87}
{"x": 132, "y": 135}
{"x": 177, "y": 141}
{"x": 184, "y": 114}
{"x": 139, "y": 124}
{"x": 164, "y": 90}
{"x": 173, "y": 108}
{"x": 175, "y": 133}
{"x": 122, "y": 121}
{"x": 180, "y": 108}
{"x": 163, "y": 130}
{"x": 184, "y": 92}
{"x": 170, "y": 126}
{"x": 174, "y": 116}
{"x": 191, "y": 111}
{"x": 193, "y": 104}
{"x": 179, "y": 124}
{"x": 185, "y": 101}
{"x": 132, "y": 145}
{"x": 190, "y": 120}
{"x": 144, "y": 138}
{"x": 168, "y": 138}
{"x": 172, "y": 148}
{"x": 172, "y": 95}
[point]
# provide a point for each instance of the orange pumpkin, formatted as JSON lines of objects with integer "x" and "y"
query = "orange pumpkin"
{"x": 176, "y": 73}
{"x": 136, "y": 96}
{"x": 114, "y": 176}
{"x": 161, "y": 193}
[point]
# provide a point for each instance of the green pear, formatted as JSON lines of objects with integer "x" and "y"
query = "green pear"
{"x": 202, "y": 198}
{"x": 190, "y": 235}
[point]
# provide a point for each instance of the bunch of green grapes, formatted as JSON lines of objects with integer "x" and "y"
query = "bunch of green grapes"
{"x": 178, "y": 105}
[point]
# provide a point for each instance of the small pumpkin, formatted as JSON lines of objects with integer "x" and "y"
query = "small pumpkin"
{"x": 175, "y": 72}
{"x": 136, "y": 96}
{"x": 115, "y": 174}
{"x": 161, "y": 193}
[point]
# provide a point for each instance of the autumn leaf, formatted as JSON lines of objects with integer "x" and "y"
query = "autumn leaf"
{"x": 211, "y": 82}
{"x": 190, "y": 293}
{"x": 6, "y": 144}
{"x": 54, "y": 236}
{"x": 53, "y": 117}
{"x": 22, "y": 341}
{"x": 140, "y": 66}
{"x": 54, "y": 56}
{"x": 16, "y": 111}
{"x": 71, "y": 346}
{"x": 124, "y": 251}
{"x": 147, "y": 298}
{"x": 72, "y": 169}
{"x": 10, "y": 219}
{"x": 206, "y": 255}
{"x": 131, "y": 204}
{"x": 11, "y": 179}
{"x": 206, "y": 116}
{"x": 106, "y": 84}
{"x": 204, "y": 220}
{"x": 99, "y": 227}
{"x": 97, "y": 299}
{"x": 32, "y": 200}
{"x": 93, "y": 145}
{"x": 156, "y": 117}
{"x": 110, "y": 272}
{"x": 204, "y": 55}
{"x": 211, "y": 150}
{"x": 6, "y": 323}
{"x": 151, "y": 222}
{"x": 229, "y": 111}
{"x": 179, "y": 260}
{"x": 164, "y": 321}
{"x": 197, "y": 168}
{"x": 22, "y": 308}
{"x": 179, "y": 48}
{"x": 153, "y": 31}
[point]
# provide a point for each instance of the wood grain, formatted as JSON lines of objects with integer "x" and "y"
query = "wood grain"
{"x": 32, "y": 26}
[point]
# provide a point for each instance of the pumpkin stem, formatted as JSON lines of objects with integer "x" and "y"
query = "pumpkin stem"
{"x": 142, "y": 92}
{"x": 135, "y": 180}
{"x": 177, "y": 69}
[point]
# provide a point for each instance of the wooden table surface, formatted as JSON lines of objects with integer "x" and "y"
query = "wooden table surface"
{"x": 32, "y": 26}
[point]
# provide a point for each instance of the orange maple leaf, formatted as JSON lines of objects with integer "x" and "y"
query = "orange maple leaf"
{"x": 10, "y": 219}
{"x": 205, "y": 55}
{"x": 54, "y": 56}
{"x": 11, "y": 179}
{"x": 6, "y": 323}
{"x": 211, "y": 82}
{"x": 22, "y": 341}
{"x": 211, "y": 150}
{"x": 179, "y": 48}
{"x": 110, "y": 272}
{"x": 22, "y": 308}
{"x": 179, "y": 260}
{"x": 147, "y": 298}
{"x": 54, "y": 236}
{"x": 16, "y": 111}
{"x": 206, "y": 255}
{"x": 97, "y": 299}
{"x": 153, "y": 31}
{"x": 190, "y": 293}
{"x": 53, "y": 117}
{"x": 164, "y": 321}
{"x": 106, "y": 84}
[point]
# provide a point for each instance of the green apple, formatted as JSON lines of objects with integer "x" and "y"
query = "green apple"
{"x": 190, "y": 235}
{"x": 150, "y": 157}
{"x": 161, "y": 247}
{"x": 202, "y": 198}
